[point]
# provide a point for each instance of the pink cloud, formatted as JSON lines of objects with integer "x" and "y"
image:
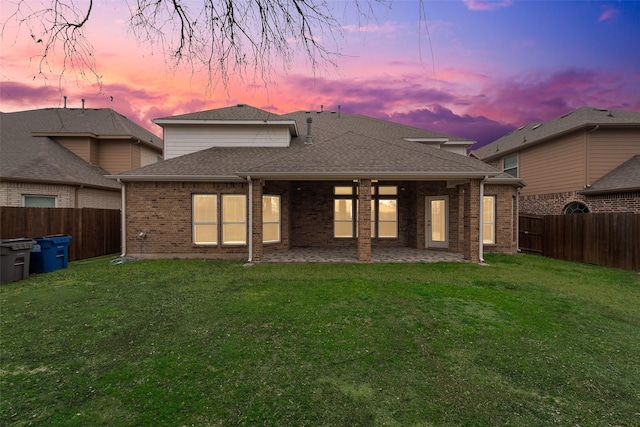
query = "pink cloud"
{"x": 609, "y": 13}
{"x": 487, "y": 5}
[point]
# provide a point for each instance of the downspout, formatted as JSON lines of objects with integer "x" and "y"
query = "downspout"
{"x": 123, "y": 220}
{"x": 250, "y": 260}
{"x": 481, "y": 221}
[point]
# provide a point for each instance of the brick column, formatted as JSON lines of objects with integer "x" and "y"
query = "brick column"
{"x": 256, "y": 226}
{"x": 364, "y": 220}
{"x": 472, "y": 221}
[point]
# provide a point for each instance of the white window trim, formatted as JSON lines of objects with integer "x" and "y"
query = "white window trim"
{"x": 279, "y": 221}
{"x": 223, "y": 222}
{"x": 44, "y": 196}
{"x": 194, "y": 223}
{"x": 491, "y": 241}
{"x": 516, "y": 167}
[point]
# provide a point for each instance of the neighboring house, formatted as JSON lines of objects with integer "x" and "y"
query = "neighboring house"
{"x": 583, "y": 161}
{"x": 240, "y": 181}
{"x": 58, "y": 157}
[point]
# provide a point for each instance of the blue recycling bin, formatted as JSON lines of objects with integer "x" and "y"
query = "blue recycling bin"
{"x": 50, "y": 253}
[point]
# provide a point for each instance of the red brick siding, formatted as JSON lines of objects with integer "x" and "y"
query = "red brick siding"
{"x": 364, "y": 220}
{"x": 163, "y": 210}
{"x": 554, "y": 204}
{"x": 506, "y": 219}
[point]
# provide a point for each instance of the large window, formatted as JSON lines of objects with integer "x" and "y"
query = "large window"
{"x": 489, "y": 219}
{"x": 234, "y": 219}
{"x": 39, "y": 201}
{"x": 510, "y": 165}
{"x": 205, "y": 219}
{"x": 384, "y": 211}
{"x": 270, "y": 219}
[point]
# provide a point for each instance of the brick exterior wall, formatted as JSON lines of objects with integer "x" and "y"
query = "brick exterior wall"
{"x": 67, "y": 196}
{"x": 471, "y": 246}
{"x": 364, "y": 220}
{"x": 506, "y": 231}
{"x": 163, "y": 211}
{"x": 555, "y": 204}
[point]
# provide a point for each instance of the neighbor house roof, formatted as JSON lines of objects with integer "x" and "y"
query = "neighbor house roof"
{"x": 29, "y": 155}
{"x": 343, "y": 146}
{"x": 536, "y": 132}
{"x": 96, "y": 122}
{"x": 238, "y": 114}
{"x": 625, "y": 177}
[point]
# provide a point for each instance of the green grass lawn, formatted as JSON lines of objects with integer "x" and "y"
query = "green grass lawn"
{"x": 526, "y": 341}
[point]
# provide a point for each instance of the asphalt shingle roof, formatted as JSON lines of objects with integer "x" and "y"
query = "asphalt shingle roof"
{"x": 24, "y": 157}
{"x": 536, "y": 132}
{"x": 341, "y": 144}
{"x": 625, "y": 177}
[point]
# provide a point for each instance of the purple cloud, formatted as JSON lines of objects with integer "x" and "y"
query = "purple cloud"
{"x": 609, "y": 13}
{"x": 487, "y": 5}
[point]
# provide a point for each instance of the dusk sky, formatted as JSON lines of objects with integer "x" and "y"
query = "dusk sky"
{"x": 482, "y": 69}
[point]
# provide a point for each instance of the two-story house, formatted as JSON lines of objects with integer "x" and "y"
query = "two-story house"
{"x": 240, "y": 181}
{"x": 587, "y": 160}
{"x": 58, "y": 157}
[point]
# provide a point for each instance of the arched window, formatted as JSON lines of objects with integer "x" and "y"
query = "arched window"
{"x": 576, "y": 208}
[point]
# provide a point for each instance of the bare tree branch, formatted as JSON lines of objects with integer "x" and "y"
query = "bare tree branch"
{"x": 225, "y": 39}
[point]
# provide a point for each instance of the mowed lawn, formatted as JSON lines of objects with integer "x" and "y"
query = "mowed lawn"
{"x": 525, "y": 341}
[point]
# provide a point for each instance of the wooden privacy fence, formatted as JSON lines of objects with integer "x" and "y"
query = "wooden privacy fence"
{"x": 607, "y": 239}
{"x": 94, "y": 232}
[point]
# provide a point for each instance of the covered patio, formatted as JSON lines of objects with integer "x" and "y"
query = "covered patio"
{"x": 350, "y": 255}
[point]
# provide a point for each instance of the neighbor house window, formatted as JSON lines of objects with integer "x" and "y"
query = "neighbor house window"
{"x": 510, "y": 165}
{"x": 39, "y": 201}
{"x": 489, "y": 219}
{"x": 205, "y": 219}
{"x": 234, "y": 219}
{"x": 384, "y": 211}
{"x": 270, "y": 219}
{"x": 576, "y": 208}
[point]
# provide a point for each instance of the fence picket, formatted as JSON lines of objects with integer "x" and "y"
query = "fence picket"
{"x": 94, "y": 232}
{"x": 609, "y": 239}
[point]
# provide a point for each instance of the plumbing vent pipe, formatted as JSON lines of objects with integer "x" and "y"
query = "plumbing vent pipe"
{"x": 309, "y": 139}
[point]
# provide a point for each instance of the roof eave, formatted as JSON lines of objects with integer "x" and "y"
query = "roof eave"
{"x": 58, "y": 182}
{"x": 175, "y": 178}
{"x": 350, "y": 175}
{"x": 589, "y": 192}
{"x": 292, "y": 124}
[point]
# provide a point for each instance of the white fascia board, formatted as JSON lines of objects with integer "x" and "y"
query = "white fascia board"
{"x": 433, "y": 139}
{"x": 348, "y": 175}
{"x": 460, "y": 142}
{"x": 293, "y": 126}
{"x": 175, "y": 178}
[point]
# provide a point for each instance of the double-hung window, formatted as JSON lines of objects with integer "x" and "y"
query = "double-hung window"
{"x": 510, "y": 165}
{"x": 344, "y": 211}
{"x": 234, "y": 219}
{"x": 205, "y": 219}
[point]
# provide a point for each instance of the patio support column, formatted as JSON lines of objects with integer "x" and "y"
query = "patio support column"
{"x": 364, "y": 220}
{"x": 472, "y": 221}
{"x": 256, "y": 223}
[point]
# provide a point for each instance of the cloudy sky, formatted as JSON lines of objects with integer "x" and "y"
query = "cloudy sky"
{"x": 477, "y": 69}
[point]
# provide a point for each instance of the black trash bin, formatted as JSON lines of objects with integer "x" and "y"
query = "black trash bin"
{"x": 16, "y": 256}
{"x": 50, "y": 253}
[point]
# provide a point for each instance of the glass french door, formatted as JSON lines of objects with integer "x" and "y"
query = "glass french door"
{"x": 437, "y": 222}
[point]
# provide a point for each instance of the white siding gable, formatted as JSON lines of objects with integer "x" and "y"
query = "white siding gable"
{"x": 185, "y": 139}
